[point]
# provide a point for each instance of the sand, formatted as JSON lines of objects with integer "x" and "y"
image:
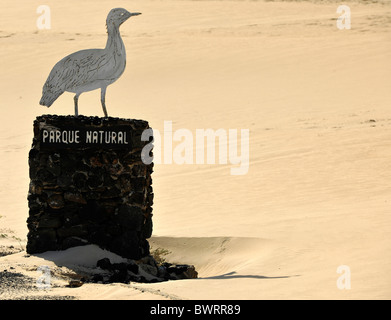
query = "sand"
{"x": 316, "y": 101}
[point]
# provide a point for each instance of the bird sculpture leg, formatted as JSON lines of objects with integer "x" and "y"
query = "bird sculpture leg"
{"x": 102, "y": 100}
{"x": 76, "y": 98}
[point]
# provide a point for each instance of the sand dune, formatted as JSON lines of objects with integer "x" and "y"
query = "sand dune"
{"x": 315, "y": 99}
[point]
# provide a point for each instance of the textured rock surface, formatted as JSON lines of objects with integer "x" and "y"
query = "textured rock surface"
{"x": 144, "y": 270}
{"x": 85, "y": 189}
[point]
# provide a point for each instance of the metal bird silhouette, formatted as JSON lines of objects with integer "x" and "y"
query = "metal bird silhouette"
{"x": 91, "y": 69}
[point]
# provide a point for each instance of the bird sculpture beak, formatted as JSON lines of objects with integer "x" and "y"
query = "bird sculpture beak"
{"x": 127, "y": 15}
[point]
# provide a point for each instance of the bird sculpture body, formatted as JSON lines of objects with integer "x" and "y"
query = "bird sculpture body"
{"x": 91, "y": 69}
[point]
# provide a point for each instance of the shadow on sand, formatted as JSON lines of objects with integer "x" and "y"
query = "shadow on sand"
{"x": 234, "y": 275}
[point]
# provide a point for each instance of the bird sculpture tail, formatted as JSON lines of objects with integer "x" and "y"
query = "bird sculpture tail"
{"x": 49, "y": 96}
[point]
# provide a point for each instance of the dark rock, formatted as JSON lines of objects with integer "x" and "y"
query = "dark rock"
{"x": 92, "y": 195}
{"x": 73, "y": 231}
{"x": 150, "y": 199}
{"x": 64, "y": 180}
{"x": 124, "y": 182}
{"x": 162, "y": 273}
{"x": 139, "y": 170}
{"x": 71, "y": 218}
{"x": 122, "y": 266}
{"x": 132, "y": 267}
{"x": 181, "y": 271}
{"x": 144, "y": 247}
{"x": 74, "y": 197}
{"x": 137, "y": 142}
{"x": 116, "y": 168}
{"x": 136, "y": 278}
{"x": 99, "y": 235}
{"x": 96, "y": 161}
{"x": 110, "y": 158}
{"x": 44, "y": 240}
{"x": 190, "y": 273}
{"x": 125, "y": 272}
{"x": 114, "y": 230}
{"x": 138, "y": 184}
{"x": 53, "y": 164}
{"x": 34, "y": 202}
{"x": 56, "y": 201}
{"x": 46, "y": 177}
{"x": 36, "y": 188}
{"x": 130, "y": 217}
{"x": 33, "y": 156}
{"x": 137, "y": 197}
{"x": 147, "y": 228}
{"x": 132, "y": 157}
{"x": 97, "y": 278}
{"x": 149, "y": 269}
{"x": 177, "y": 269}
{"x": 128, "y": 245}
{"x": 75, "y": 283}
{"x": 48, "y": 221}
{"x": 113, "y": 192}
{"x": 95, "y": 179}
{"x": 104, "y": 264}
{"x": 93, "y": 211}
{"x": 120, "y": 276}
{"x": 80, "y": 180}
{"x": 71, "y": 242}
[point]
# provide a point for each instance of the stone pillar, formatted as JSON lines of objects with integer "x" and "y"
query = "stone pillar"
{"x": 88, "y": 185}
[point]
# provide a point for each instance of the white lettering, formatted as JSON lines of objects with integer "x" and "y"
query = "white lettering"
{"x": 197, "y": 309}
{"x": 45, "y": 134}
{"x": 167, "y": 310}
{"x": 343, "y": 281}
{"x": 210, "y": 135}
{"x": 120, "y": 137}
{"x": 71, "y": 136}
{"x": 44, "y": 280}
{"x": 101, "y": 136}
{"x": 185, "y": 147}
{"x": 114, "y": 137}
{"x": 184, "y": 151}
{"x": 65, "y": 137}
{"x": 243, "y": 160}
{"x": 58, "y": 136}
{"x": 107, "y": 137}
{"x": 146, "y": 151}
{"x": 95, "y": 137}
{"x": 343, "y": 21}
{"x": 77, "y": 137}
{"x": 168, "y": 142}
{"x": 44, "y": 20}
{"x": 88, "y": 136}
{"x": 51, "y": 136}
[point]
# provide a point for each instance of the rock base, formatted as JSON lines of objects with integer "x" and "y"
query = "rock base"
{"x": 88, "y": 185}
{"x": 145, "y": 270}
